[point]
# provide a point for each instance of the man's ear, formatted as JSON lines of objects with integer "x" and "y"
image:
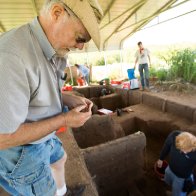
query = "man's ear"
{"x": 57, "y": 11}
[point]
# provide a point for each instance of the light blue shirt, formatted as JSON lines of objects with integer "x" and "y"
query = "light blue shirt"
{"x": 84, "y": 70}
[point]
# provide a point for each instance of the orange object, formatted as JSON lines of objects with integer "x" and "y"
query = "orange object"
{"x": 160, "y": 172}
{"x": 117, "y": 82}
{"x": 62, "y": 129}
{"x": 67, "y": 88}
{"x": 80, "y": 82}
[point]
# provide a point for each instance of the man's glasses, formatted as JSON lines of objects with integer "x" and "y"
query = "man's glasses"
{"x": 80, "y": 40}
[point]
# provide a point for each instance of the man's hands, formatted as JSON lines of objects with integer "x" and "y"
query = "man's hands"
{"x": 80, "y": 109}
{"x": 78, "y": 116}
{"x": 23, "y": 135}
{"x": 72, "y": 101}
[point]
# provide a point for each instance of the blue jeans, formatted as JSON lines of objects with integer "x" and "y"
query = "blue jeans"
{"x": 175, "y": 182}
{"x": 25, "y": 170}
{"x": 144, "y": 75}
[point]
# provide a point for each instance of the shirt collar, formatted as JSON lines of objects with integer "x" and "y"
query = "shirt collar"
{"x": 48, "y": 50}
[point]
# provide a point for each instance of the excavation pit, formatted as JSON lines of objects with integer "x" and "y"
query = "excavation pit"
{"x": 123, "y": 165}
{"x": 109, "y": 157}
{"x": 120, "y": 163}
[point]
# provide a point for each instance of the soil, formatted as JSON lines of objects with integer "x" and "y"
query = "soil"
{"x": 186, "y": 97}
{"x": 150, "y": 184}
{"x": 156, "y": 127}
{"x": 154, "y": 186}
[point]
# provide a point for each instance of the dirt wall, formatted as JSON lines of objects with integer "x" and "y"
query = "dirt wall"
{"x": 111, "y": 102}
{"x": 180, "y": 110}
{"x": 124, "y": 96}
{"x": 115, "y": 165}
{"x": 153, "y": 101}
{"x": 98, "y": 129}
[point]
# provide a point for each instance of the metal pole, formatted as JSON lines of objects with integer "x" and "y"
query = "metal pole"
{"x": 121, "y": 63}
{"x": 70, "y": 71}
{"x": 90, "y": 67}
{"x": 105, "y": 60}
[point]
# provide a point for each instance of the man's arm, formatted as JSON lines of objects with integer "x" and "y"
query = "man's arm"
{"x": 30, "y": 132}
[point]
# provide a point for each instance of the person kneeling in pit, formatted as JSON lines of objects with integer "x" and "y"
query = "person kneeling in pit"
{"x": 181, "y": 147}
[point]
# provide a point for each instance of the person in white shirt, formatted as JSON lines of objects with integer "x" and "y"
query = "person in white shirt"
{"x": 142, "y": 56}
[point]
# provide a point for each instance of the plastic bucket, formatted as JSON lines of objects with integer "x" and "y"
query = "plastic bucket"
{"x": 131, "y": 73}
{"x": 160, "y": 172}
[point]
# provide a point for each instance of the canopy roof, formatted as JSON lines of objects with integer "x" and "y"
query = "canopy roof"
{"x": 122, "y": 18}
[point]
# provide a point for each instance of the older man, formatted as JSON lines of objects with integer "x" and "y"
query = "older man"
{"x": 31, "y": 156}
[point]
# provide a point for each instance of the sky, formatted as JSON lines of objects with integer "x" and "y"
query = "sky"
{"x": 179, "y": 30}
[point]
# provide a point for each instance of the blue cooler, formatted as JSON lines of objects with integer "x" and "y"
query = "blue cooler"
{"x": 131, "y": 74}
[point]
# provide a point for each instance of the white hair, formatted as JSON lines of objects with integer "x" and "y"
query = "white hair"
{"x": 93, "y": 3}
{"x": 48, "y": 4}
{"x": 186, "y": 141}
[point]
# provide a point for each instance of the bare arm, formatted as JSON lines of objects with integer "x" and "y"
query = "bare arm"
{"x": 29, "y": 132}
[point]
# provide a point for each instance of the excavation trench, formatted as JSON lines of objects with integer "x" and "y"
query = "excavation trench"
{"x": 119, "y": 152}
{"x": 119, "y": 159}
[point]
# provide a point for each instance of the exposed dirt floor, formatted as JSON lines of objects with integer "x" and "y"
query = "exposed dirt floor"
{"x": 156, "y": 125}
{"x": 150, "y": 184}
{"x": 178, "y": 91}
{"x": 183, "y": 98}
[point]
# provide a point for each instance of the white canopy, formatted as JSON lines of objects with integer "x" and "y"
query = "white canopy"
{"x": 122, "y": 18}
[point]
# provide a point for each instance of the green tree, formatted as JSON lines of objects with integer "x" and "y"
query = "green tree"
{"x": 182, "y": 64}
